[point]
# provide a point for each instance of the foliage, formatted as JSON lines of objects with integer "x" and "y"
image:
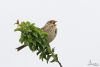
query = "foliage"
{"x": 36, "y": 39}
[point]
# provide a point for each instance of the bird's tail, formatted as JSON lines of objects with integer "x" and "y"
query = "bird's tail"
{"x": 21, "y": 47}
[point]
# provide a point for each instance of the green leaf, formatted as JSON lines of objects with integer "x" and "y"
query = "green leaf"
{"x": 52, "y": 61}
{"x": 41, "y": 56}
{"x": 55, "y": 58}
{"x": 53, "y": 49}
{"x": 32, "y": 46}
{"x": 38, "y": 52}
{"x": 18, "y": 29}
{"x": 48, "y": 57}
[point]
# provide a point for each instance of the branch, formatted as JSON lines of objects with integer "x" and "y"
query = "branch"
{"x": 59, "y": 63}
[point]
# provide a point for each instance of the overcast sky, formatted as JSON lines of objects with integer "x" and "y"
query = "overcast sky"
{"x": 78, "y": 39}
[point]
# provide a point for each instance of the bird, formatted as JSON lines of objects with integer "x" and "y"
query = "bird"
{"x": 51, "y": 28}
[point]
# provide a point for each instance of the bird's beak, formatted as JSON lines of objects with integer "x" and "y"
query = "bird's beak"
{"x": 55, "y": 22}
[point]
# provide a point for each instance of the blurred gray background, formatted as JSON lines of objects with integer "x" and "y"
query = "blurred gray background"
{"x": 78, "y": 38}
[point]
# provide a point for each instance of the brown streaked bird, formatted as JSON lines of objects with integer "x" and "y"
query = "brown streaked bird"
{"x": 50, "y": 28}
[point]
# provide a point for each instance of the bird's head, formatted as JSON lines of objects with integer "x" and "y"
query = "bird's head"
{"x": 51, "y": 22}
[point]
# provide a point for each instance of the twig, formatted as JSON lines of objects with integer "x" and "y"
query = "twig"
{"x": 59, "y": 63}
